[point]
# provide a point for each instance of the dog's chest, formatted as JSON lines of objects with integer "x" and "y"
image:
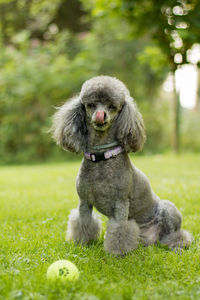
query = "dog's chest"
{"x": 101, "y": 186}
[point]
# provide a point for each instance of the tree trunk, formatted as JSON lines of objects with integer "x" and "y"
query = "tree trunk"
{"x": 197, "y": 104}
{"x": 176, "y": 120}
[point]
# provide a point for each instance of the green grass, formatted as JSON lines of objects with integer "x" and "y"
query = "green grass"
{"x": 34, "y": 205}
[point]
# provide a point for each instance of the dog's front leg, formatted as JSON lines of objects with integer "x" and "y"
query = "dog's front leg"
{"x": 83, "y": 225}
{"x": 122, "y": 234}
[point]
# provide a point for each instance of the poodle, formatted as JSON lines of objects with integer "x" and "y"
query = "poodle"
{"x": 103, "y": 122}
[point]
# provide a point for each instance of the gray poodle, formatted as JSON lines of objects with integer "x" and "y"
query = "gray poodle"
{"x": 103, "y": 123}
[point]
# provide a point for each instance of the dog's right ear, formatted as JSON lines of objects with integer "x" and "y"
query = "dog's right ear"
{"x": 69, "y": 126}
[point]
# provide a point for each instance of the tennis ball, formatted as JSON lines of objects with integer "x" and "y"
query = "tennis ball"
{"x": 62, "y": 270}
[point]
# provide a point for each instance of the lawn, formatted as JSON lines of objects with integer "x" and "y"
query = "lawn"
{"x": 35, "y": 204}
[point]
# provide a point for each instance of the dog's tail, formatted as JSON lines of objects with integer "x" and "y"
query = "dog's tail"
{"x": 178, "y": 239}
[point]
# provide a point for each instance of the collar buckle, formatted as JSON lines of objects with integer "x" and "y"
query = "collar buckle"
{"x": 97, "y": 156}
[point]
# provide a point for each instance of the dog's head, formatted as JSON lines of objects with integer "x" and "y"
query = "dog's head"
{"x": 104, "y": 102}
{"x": 103, "y": 98}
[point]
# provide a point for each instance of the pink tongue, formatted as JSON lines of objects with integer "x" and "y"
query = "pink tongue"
{"x": 100, "y": 117}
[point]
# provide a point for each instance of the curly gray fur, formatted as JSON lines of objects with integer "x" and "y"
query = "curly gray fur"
{"x": 69, "y": 128}
{"x": 104, "y": 113}
{"x": 121, "y": 237}
{"x": 83, "y": 231}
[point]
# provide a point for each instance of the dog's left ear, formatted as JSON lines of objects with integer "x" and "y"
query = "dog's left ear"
{"x": 130, "y": 127}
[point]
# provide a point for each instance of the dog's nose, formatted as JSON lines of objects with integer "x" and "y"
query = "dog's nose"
{"x": 100, "y": 117}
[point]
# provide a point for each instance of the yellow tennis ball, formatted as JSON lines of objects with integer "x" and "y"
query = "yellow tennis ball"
{"x": 62, "y": 270}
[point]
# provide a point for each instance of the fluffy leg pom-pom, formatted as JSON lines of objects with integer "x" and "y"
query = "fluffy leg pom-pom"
{"x": 83, "y": 229}
{"x": 121, "y": 237}
{"x": 178, "y": 239}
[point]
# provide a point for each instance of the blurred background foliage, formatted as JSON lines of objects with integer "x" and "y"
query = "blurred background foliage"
{"x": 49, "y": 48}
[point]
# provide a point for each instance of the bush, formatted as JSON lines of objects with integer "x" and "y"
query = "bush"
{"x": 190, "y": 130}
{"x": 34, "y": 78}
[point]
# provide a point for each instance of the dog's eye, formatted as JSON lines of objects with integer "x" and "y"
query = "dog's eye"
{"x": 112, "y": 107}
{"x": 91, "y": 105}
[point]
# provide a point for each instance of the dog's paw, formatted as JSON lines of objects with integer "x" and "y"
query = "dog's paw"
{"x": 121, "y": 237}
{"x": 83, "y": 231}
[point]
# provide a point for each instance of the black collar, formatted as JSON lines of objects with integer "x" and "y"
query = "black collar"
{"x": 98, "y": 156}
